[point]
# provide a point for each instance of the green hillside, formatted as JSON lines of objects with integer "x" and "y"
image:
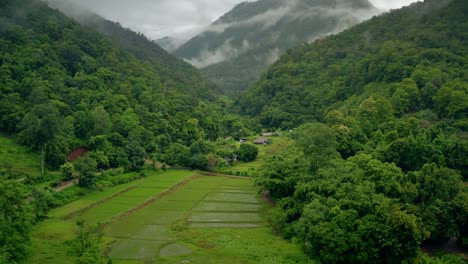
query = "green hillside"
{"x": 174, "y": 73}
{"x": 17, "y": 161}
{"x": 398, "y": 80}
{"x": 365, "y": 161}
{"x": 236, "y": 48}
{"x": 379, "y": 118}
{"x": 64, "y": 86}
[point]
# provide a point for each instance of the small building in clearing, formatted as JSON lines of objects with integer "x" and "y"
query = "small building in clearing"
{"x": 261, "y": 141}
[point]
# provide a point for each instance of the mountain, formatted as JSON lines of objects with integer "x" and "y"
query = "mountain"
{"x": 403, "y": 67}
{"x": 379, "y": 118}
{"x": 175, "y": 73}
{"x": 170, "y": 44}
{"x": 237, "y": 47}
{"x": 64, "y": 85}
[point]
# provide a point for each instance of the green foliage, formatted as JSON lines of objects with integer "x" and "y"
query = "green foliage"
{"x": 85, "y": 246}
{"x": 86, "y": 168}
{"x": 199, "y": 161}
{"x": 369, "y": 74}
{"x": 136, "y": 156}
{"x": 15, "y": 222}
{"x": 247, "y": 152}
{"x": 68, "y": 171}
{"x": 398, "y": 95}
{"x": 177, "y": 154}
{"x": 64, "y": 85}
{"x": 361, "y": 210}
{"x": 318, "y": 143}
{"x": 41, "y": 201}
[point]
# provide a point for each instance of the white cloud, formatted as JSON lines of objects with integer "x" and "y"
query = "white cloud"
{"x": 177, "y": 18}
{"x": 385, "y": 5}
{"x": 224, "y": 52}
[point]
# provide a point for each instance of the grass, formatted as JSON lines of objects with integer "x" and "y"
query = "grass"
{"x": 100, "y": 207}
{"x": 277, "y": 145}
{"x": 205, "y": 220}
{"x": 17, "y": 160}
{"x": 189, "y": 222}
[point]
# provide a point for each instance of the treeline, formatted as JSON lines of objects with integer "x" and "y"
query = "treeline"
{"x": 64, "y": 85}
{"x": 174, "y": 73}
{"x": 377, "y": 170}
{"x": 361, "y": 209}
{"x": 398, "y": 80}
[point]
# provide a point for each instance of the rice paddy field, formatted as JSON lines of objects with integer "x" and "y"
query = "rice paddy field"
{"x": 171, "y": 217}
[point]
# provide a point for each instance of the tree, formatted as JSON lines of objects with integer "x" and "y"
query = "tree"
{"x": 15, "y": 222}
{"x": 86, "y": 167}
{"x": 199, "y": 161}
{"x": 42, "y": 124}
{"x": 68, "y": 171}
{"x": 318, "y": 143}
{"x": 136, "y": 156}
{"x": 247, "y": 152}
{"x": 40, "y": 203}
{"x": 438, "y": 188}
{"x": 85, "y": 246}
{"x": 102, "y": 122}
{"x": 177, "y": 154}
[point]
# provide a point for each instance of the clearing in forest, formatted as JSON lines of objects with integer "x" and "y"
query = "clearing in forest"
{"x": 173, "y": 217}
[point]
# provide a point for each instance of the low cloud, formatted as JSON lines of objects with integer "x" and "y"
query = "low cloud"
{"x": 272, "y": 56}
{"x": 288, "y": 12}
{"x": 224, "y": 52}
{"x": 267, "y": 19}
{"x": 385, "y": 5}
{"x": 177, "y": 18}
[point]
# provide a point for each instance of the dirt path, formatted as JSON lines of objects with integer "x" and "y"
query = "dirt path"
{"x": 65, "y": 185}
{"x": 451, "y": 247}
{"x": 267, "y": 198}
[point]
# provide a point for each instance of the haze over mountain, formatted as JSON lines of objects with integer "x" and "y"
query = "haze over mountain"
{"x": 236, "y": 48}
{"x": 170, "y": 44}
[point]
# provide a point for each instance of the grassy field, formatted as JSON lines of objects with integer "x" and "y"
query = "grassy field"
{"x": 100, "y": 207}
{"x": 16, "y": 160}
{"x": 170, "y": 217}
{"x": 277, "y": 145}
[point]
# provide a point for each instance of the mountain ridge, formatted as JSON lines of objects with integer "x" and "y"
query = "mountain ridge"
{"x": 238, "y": 46}
{"x": 143, "y": 48}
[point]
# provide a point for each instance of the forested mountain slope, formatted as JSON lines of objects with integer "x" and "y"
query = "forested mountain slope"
{"x": 63, "y": 85}
{"x": 400, "y": 77}
{"x": 423, "y": 47}
{"x": 235, "y": 49}
{"x": 379, "y": 118}
{"x": 174, "y": 73}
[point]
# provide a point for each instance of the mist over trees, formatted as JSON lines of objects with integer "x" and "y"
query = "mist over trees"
{"x": 234, "y": 50}
{"x": 375, "y": 167}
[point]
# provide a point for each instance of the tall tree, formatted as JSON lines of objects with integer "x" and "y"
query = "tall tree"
{"x": 42, "y": 124}
{"x": 318, "y": 142}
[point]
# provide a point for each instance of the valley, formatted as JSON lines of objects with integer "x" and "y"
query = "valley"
{"x": 168, "y": 217}
{"x": 314, "y": 132}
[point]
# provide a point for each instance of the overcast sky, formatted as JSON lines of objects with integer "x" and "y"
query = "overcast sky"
{"x": 178, "y": 18}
